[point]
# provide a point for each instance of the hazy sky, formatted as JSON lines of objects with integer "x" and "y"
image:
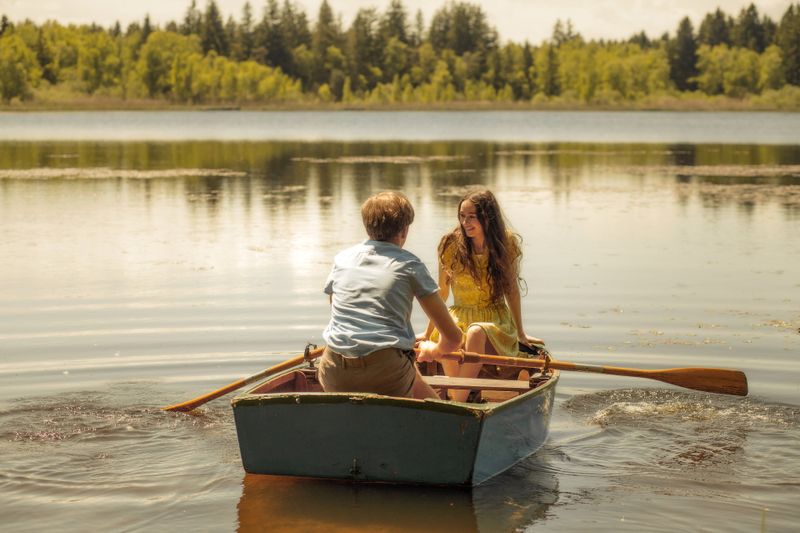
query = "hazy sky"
{"x": 515, "y": 20}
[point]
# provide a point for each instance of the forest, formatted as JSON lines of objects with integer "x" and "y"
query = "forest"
{"x": 279, "y": 57}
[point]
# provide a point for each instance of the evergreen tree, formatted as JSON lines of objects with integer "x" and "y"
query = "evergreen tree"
{"x": 683, "y": 57}
{"x": 715, "y": 29}
{"x": 147, "y": 29}
{"x": 231, "y": 32}
{"x": 294, "y": 24}
{"x": 564, "y": 33}
{"x": 192, "y": 21}
{"x": 272, "y": 38}
{"x": 4, "y": 25}
{"x": 326, "y": 31}
{"x": 116, "y": 30}
{"x": 245, "y": 41}
{"x": 212, "y": 35}
{"x": 364, "y": 50}
{"x": 748, "y": 31}
{"x": 770, "y": 31}
{"x": 461, "y": 27}
{"x": 641, "y": 40}
{"x": 394, "y": 23}
{"x": 326, "y": 47}
{"x": 788, "y": 39}
{"x": 418, "y": 31}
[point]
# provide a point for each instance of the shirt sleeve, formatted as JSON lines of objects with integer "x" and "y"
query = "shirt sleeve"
{"x": 329, "y": 283}
{"x": 422, "y": 283}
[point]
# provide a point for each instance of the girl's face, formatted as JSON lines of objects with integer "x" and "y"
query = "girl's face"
{"x": 468, "y": 218}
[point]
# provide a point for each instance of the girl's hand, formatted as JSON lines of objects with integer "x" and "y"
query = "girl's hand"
{"x": 420, "y": 338}
{"x": 535, "y": 340}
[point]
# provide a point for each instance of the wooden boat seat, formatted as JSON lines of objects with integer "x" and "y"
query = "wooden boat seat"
{"x": 447, "y": 382}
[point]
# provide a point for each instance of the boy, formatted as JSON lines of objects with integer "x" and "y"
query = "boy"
{"x": 372, "y": 286}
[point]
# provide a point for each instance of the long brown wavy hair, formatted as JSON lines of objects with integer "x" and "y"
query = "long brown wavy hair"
{"x": 503, "y": 246}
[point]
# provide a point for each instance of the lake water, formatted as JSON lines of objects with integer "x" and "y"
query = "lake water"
{"x": 147, "y": 258}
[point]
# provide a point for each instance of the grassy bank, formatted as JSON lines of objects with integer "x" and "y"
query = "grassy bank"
{"x": 786, "y": 99}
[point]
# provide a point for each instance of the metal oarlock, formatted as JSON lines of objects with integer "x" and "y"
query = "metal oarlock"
{"x": 306, "y": 352}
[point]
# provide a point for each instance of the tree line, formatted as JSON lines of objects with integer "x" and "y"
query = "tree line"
{"x": 392, "y": 57}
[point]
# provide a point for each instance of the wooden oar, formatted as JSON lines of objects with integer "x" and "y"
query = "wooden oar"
{"x": 271, "y": 371}
{"x": 719, "y": 380}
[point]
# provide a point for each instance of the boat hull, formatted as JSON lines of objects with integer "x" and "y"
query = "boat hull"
{"x": 368, "y": 437}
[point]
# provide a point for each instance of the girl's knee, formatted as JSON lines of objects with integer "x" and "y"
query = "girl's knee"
{"x": 475, "y": 337}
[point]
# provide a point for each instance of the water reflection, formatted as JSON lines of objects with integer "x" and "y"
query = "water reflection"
{"x": 513, "y": 500}
{"x": 281, "y": 173}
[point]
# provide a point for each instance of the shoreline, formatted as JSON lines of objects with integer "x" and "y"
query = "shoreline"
{"x": 655, "y": 105}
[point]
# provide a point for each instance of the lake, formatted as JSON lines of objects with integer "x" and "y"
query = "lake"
{"x": 150, "y": 257}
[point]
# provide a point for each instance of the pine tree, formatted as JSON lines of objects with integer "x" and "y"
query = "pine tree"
{"x": 4, "y": 25}
{"x": 715, "y": 29}
{"x": 364, "y": 47}
{"x": 748, "y": 31}
{"x": 244, "y": 37}
{"x": 213, "y": 35}
{"x": 394, "y": 22}
{"x": 683, "y": 57}
{"x": 418, "y": 32}
{"x": 326, "y": 30}
{"x": 642, "y": 40}
{"x": 461, "y": 27}
{"x": 788, "y": 39}
{"x": 192, "y": 21}
{"x": 147, "y": 29}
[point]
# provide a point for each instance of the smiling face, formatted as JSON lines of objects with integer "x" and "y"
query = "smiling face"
{"x": 468, "y": 218}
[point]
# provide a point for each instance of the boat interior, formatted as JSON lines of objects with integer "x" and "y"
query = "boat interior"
{"x": 494, "y": 384}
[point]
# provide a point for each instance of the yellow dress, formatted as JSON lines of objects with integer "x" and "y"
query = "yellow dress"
{"x": 472, "y": 305}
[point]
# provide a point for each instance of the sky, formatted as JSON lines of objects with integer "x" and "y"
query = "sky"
{"x": 515, "y": 20}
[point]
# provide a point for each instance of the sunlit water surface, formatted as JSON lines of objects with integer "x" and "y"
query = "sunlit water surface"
{"x": 136, "y": 274}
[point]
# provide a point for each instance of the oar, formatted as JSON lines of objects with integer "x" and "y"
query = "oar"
{"x": 719, "y": 380}
{"x": 271, "y": 371}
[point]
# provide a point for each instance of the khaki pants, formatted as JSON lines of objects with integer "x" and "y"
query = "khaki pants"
{"x": 389, "y": 371}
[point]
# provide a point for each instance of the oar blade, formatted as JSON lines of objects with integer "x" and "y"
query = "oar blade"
{"x": 717, "y": 380}
{"x": 280, "y": 367}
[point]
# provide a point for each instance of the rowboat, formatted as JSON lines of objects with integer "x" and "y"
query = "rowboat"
{"x": 286, "y": 425}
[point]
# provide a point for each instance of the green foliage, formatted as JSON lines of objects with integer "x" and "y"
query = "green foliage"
{"x": 19, "y": 70}
{"x": 99, "y": 64}
{"x": 160, "y": 56}
{"x": 383, "y": 58}
{"x": 732, "y": 71}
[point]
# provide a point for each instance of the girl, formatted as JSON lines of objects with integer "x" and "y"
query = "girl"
{"x": 479, "y": 260}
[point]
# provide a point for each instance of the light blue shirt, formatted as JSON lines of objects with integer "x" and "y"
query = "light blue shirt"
{"x": 373, "y": 285}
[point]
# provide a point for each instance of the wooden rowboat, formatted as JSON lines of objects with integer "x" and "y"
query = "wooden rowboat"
{"x": 286, "y": 425}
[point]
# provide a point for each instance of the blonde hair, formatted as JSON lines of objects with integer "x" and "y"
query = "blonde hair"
{"x": 386, "y": 214}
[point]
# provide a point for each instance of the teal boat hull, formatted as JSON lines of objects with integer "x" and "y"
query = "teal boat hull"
{"x": 374, "y": 438}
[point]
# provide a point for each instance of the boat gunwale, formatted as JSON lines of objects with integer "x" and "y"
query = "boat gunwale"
{"x": 482, "y": 410}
